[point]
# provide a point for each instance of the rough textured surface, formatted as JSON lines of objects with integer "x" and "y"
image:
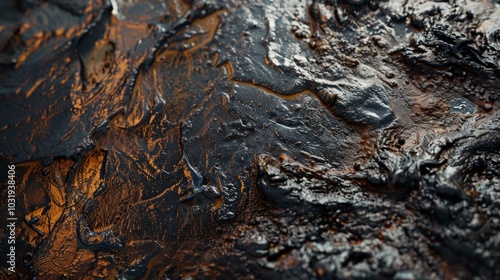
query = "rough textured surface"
{"x": 258, "y": 139}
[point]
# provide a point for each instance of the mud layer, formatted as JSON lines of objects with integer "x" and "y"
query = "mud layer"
{"x": 258, "y": 139}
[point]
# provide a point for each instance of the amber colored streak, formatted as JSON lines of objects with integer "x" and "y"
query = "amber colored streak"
{"x": 124, "y": 48}
{"x": 31, "y": 167}
{"x": 118, "y": 56}
{"x": 134, "y": 32}
{"x": 87, "y": 179}
{"x": 368, "y": 140}
{"x": 209, "y": 24}
{"x": 95, "y": 61}
{"x": 134, "y": 99}
{"x": 33, "y": 44}
{"x": 288, "y": 97}
{"x": 33, "y": 88}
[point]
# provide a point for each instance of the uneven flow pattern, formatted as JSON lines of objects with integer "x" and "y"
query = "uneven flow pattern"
{"x": 252, "y": 139}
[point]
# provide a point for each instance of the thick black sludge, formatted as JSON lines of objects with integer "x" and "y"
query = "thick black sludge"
{"x": 252, "y": 139}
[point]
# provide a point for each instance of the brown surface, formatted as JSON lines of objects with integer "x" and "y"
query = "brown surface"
{"x": 247, "y": 139}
